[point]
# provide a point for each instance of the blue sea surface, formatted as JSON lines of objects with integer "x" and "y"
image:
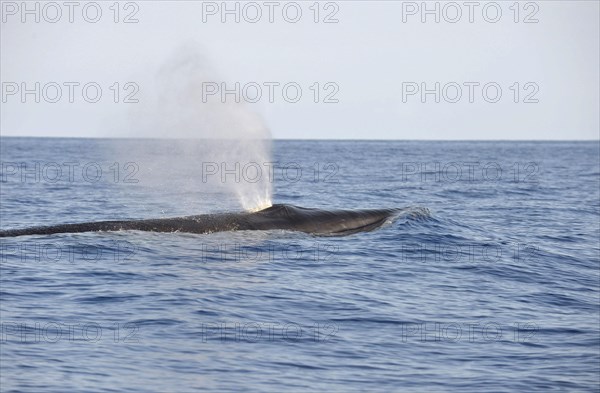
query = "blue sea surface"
{"x": 497, "y": 288}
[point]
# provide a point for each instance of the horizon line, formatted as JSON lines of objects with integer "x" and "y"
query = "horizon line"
{"x": 305, "y": 139}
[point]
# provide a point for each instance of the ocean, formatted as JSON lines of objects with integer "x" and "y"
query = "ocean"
{"x": 497, "y": 288}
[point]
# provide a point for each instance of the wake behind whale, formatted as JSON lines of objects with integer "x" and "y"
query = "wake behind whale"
{"x": 279, "y": 216}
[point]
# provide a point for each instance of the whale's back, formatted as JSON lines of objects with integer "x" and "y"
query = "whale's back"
{"x": 279, "y": 216}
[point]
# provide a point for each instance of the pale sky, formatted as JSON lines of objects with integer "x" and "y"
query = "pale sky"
{"x": 369, "y": 69}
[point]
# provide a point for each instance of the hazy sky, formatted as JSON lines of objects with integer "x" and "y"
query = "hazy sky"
{"x": 366, "y": 70}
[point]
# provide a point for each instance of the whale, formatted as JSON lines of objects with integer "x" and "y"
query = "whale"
{"x": 318, "y": 222}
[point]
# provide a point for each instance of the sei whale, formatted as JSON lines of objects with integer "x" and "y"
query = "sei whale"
{"x": 279, "y": 216}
